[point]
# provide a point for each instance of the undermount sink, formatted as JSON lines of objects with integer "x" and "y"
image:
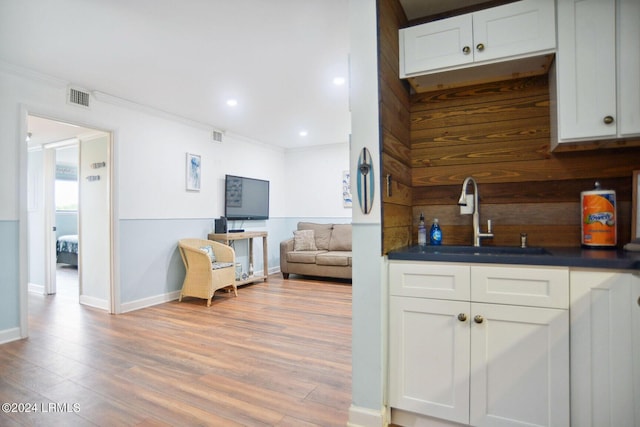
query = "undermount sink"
{"x": 484, "y": 250}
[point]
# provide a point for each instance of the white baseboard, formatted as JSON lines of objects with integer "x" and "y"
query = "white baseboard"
{"x": 36, "y": 289}
{"x": 99, "y": 303}
{"x": 365, "y": 417}
{"x": 148, "y": 302}
{"x": 9, "y": 335}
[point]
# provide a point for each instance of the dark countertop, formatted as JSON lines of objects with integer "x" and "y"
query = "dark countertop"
{"x": 567, "y": 257}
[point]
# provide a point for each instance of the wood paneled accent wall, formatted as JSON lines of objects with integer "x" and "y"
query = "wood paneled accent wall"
{"x": 395, "y": 130}
{"x": 499, "y": 134}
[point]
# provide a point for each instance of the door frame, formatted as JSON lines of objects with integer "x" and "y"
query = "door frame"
{"x": 114, "y": 283}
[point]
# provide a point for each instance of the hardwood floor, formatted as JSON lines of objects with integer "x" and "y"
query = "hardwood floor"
{"x": 277, "y": 355}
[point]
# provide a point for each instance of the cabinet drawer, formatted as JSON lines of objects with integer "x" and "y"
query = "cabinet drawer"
{"x": 530, "y": 286}
{"x": 430, "y": 280}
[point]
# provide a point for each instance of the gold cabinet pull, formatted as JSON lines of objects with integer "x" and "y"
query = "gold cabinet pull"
{"x": 478, "y": 319}
{"x": 462, "y": 317}
{"x": 608, "y": 120}
{"x": 480, "y": 47}
{"x": 466, "y": 50}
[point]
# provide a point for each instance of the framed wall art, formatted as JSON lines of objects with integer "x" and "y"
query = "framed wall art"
{"x": 346, "y": 189}
{"x": 194, "y": 171}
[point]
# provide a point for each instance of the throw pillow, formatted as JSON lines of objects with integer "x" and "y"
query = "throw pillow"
{"x": 322, "y": 233}
{"x": 209, "y": 251}
{"x": 304, "y": 240}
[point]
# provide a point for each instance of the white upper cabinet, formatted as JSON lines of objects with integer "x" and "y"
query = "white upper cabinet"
{"x": 597, "y": 89}
{"x": 436, "y": 45}
{"x": 521, "y": 28}
{"x": 517, "y": 30}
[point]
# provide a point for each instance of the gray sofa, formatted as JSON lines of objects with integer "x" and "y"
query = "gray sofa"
{"x": 317, "y": 250}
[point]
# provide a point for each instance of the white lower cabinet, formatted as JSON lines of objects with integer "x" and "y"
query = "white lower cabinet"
{"x": 479, "y": 363}
{"x": 605, "y": 349}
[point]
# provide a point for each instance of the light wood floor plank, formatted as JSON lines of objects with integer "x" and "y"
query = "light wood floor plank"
{"x": 277, "y": 355}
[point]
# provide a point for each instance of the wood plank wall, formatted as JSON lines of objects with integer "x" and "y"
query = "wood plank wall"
{"x": 395, "y": 130}
{"x": 499, "y": 134}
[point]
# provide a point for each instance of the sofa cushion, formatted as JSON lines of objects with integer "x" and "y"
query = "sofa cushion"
{"x": 303, "y": 257}
{"x": 304, "y": 240}
{"x": 340, "y": 238}
{"x": 322, "y": 233}
{"x": 337, "y": 258}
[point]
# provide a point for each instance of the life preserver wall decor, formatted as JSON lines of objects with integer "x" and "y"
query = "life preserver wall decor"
{"x": 365, "y": 181}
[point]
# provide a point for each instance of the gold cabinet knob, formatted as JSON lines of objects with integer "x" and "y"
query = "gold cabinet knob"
{"x": 462, "y": 317}
{"x": 466, "y": 50}
{"x": 478, "y": 319}
{"x": 480, "y": 47}
{"x": 608, "y": 120}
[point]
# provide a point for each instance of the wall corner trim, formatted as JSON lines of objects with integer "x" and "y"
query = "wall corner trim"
{"x": 366, "y": 417}
{"x": 8, "y": 335}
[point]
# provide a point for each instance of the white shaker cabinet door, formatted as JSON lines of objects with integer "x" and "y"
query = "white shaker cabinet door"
{"x": 429, "y": 357}
{"x": 436, "y": 45}
{"x": 519, "y": 366}
{"x": 629, "y": 68}
{"x": 605, "y": 349}
{"x": 586, "y": 69}
{"x": 518, "y": 28}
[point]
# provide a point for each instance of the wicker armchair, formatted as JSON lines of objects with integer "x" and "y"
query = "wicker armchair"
{"x": 202, "y": 280}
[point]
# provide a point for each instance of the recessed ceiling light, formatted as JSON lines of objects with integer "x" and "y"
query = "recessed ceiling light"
{"x": 339, "y": 81}
{"x": 303, "y": 133}
{"x": 232, "y": 102}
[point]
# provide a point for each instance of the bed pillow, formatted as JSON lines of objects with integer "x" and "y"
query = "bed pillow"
{"x": 304, "y": 240}
{"x": 209, "y": 251}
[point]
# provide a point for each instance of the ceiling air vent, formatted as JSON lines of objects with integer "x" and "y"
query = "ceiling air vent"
{"x": 217, "y": 136}
{"x": 78, "y": 97}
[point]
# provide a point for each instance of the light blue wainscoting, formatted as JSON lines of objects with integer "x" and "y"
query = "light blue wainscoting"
{"x": 150, "y": 264}
{"x": 9, "y": 276}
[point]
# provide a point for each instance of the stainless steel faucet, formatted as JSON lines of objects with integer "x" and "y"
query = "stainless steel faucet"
{"x": 477, "y": 235}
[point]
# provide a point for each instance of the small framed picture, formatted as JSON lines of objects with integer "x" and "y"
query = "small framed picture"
{"x": 194, "y": 171}
{"x": 346, "y": 190}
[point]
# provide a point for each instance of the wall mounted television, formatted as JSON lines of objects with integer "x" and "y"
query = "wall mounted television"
{"x": 245, "y": 198}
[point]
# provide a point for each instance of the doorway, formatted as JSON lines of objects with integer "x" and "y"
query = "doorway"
{"x": 69, "y": 212}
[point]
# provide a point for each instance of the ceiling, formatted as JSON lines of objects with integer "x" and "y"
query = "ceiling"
{"x": 276, "y": 58}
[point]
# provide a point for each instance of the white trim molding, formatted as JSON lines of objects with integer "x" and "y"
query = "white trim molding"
{"x": 148, "y": 302}
{"x": 9, "y": 335}
{"x": 365, "y": 417}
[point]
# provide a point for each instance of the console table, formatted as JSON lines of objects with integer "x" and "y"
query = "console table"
{"x": 247, "y": 235}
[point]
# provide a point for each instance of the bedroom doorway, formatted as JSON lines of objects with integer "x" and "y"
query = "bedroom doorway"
{"x": 64, "y": 279}
{"x": 69, "y": 212}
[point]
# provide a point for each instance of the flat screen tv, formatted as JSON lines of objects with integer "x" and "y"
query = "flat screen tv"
{"x": 245, "y": 198}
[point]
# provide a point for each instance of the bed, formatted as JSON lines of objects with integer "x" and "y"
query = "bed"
{"x": 67, "y": 249}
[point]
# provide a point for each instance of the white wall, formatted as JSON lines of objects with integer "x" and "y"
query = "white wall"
{"x": 369, "y": 332}
{"x": 314, "y": 181}
{"x": 94, "y": 242}
{"x": 35, "y": 208}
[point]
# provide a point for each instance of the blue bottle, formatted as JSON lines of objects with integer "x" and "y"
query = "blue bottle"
{"x": 435, "y": 235}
